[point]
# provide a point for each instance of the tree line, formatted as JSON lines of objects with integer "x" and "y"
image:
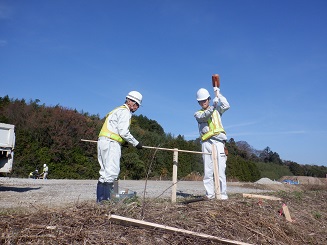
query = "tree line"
{"x": 52, "y": 135}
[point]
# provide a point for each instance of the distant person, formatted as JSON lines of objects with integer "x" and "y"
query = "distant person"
{"x": 114, "y": 134}
{"x": 34, "y": 174}
{"x": 45, "y": 171}
{"x": 212, "y": 133}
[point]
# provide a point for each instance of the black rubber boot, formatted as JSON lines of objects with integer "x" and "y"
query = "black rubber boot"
{"x": 100, "y": 191}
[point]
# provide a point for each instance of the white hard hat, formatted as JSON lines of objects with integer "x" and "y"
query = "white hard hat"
{"x": 136, "y": 96}
{"x": 44, "y": 165}
{"x": 202, "y": 94}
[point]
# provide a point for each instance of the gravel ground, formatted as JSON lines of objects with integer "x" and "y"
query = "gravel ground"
{"x": 16, "y": 192}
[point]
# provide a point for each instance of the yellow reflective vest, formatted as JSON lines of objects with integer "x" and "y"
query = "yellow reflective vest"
{"x": 107, "y": 133}
{"x": 215, "y": 126}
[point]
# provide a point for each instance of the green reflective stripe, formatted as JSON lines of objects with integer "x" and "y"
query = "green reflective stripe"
{"x": 104, "y": 134}
{"x": 117, "y": 138}
{"x": 212, "y": 133}
{"x": 207, "y": 135}
{"x": 112, "y": 136}
{"x": 214, "y": 126}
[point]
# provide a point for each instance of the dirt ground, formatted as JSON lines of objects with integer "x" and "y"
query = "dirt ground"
{"x": 238, "y": 220}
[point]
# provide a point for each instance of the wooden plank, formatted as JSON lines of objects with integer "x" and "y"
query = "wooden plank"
{"x": 261, "y": 196}
{"x": 146, "y": 224}
{"x": 287, "y": 213}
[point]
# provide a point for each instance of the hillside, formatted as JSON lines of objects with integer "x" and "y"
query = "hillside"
{"x": 52, "y": 135}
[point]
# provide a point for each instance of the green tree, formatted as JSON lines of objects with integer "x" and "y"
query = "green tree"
{"x": 52, "y": 135}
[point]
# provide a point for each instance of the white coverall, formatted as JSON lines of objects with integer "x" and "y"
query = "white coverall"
{"x": 109, "y": 151}
{"x": 219, "y": 140}
{"x": 45, "y": 172}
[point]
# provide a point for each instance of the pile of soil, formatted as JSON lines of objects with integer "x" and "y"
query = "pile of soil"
{"x": 247, "y": 220}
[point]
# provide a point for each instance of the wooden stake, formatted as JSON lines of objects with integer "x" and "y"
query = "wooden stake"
{"x": 172, "y": 229}
{"x": 175, "y": 165}
{"x": 216, "y": 171}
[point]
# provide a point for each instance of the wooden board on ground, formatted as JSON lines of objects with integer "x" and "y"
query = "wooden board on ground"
{"x": 143, "y": 223}
{"x": 287, "y": 213}
{"x": 261, "y": 196}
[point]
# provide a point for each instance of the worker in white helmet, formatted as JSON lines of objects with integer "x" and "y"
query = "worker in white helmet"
{"x": 45, "y": 171}
{"x": 212, "y": 133}
{"x": 114, "y": 134}
{"x": 34, "y": 174}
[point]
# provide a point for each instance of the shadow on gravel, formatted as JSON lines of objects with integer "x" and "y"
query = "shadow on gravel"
{"x": 18, "y": 189}
{"x": 183, "y": 194}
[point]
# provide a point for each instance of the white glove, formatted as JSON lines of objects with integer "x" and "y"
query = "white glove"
{"x": 215, "y": 101}
{"x": 216, "y": 89}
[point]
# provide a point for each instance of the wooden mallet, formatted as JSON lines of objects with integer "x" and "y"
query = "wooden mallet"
{"x": 215, "y": 82}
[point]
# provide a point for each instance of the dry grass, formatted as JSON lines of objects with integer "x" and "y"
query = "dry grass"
{"x": 256, "y": 221}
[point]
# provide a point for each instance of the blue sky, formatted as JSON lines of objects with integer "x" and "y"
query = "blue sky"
{"x": 87, "y": 55}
